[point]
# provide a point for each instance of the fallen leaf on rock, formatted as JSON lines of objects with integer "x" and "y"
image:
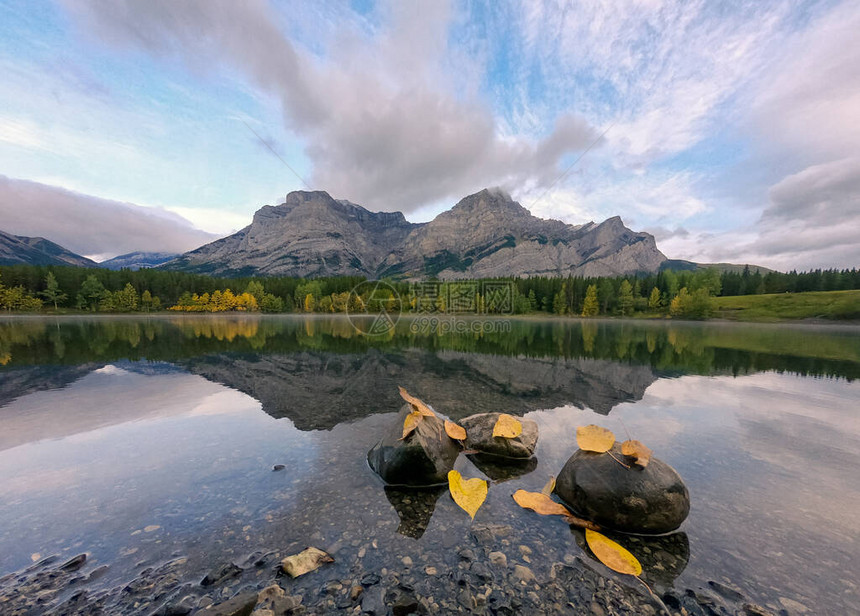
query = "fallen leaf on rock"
{"x": 454, "y": 431}
{"x": 410, "y": 423}
{"x": 594, "y": 438}
{"x": 305, "y": 561}
{"x": 539, "y": 503}
{"x": 636, "y": 450}
{"x": 507, "y": 426}
{"x": 611, "y": 554}
{"x": 469, "y": 494}
{"x": 416, "y": 403}
{"x": 549, "y": 487}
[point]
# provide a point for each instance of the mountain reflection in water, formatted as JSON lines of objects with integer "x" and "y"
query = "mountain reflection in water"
{"x": 320, "y": 371}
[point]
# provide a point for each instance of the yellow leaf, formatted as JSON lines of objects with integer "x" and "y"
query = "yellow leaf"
{"x": 507, "y": 426}
{"x": 410, "y": 423}
{"x": 454, "y": 431}
{"x": 539, "y": 503}
{"x": 594, "y": 438}
{"x": 305, "y": 561}
{"x": 469, "y": 494}
{"x": 416, "y": 403}
{"x": 637, "y": 450}
{"x": 611, "y": 554}
{"x": 549, "y": 487}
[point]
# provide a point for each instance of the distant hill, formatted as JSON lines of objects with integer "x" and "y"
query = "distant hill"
{"x": 17, "y": 249}
{"x": 484, "y": 235}
{"x": 138, "y": 260}
{"x": 681, "y": 265}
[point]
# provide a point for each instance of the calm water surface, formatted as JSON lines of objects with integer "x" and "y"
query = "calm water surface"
{"x": 136, "y": 440}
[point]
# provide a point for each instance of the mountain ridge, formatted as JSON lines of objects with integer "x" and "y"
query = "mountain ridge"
{"x": 486, "y": 234}
{"x": 19, "y": 249}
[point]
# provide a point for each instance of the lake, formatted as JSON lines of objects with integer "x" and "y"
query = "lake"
{"x": 148, "y": 444}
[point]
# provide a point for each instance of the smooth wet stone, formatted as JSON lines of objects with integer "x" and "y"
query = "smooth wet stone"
{"x": 423, "y": 458}
{"x": 75, "y": 563}
{"x": 651, "y": 500}
{"x": 500, "y": 469}
{"x": 479, "y": 436}
{"x": 373, "y": 601}
{"x": 220, "y": 574}
{"x": 240, "y": 605}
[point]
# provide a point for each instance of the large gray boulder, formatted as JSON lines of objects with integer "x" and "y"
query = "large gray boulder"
{"x": 651, "y": 500}
{"x": 479, "y": 436}
{"x": 421, "y": 459}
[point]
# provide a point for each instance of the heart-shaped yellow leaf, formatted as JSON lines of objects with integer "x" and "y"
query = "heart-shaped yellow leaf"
{"x": 454, "y": 431}
{"x": 549, "y": 487}
{"x": 469, "y": 494}
{"x": 539, "y": 503}
{"x": 507, "y": 426}
{"x": 410, "y": 423}
{"x": 416, "y": 403}
{"x": 611, "y": 554}
{"x": 594, "y": 438}
{"x": 638, "y": 451}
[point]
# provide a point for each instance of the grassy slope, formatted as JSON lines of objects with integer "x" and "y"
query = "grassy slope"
{"x": 789, "y": 306}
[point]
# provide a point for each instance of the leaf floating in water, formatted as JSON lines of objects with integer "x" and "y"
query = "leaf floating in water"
{"x": 410, "y": 423}
{"x": 305, "y": 561}
{"x": 539, "y": 503}
{"x": 454, "y": 431}
{"x": 469, "y": 494}
{"x": 507, "y": 426}
{"x": 549, "y": 487}
{"x": 611, "y": 554}
{"x": 594, "y": 438}
{"x": 636, "y": 450}
{"x": 416, "y": 403}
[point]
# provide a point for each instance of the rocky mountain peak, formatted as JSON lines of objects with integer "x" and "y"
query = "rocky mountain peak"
{"x": 486, "y": 234}
{"x": 493, "y": 200}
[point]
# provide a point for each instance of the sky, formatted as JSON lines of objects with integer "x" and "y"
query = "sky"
{"x": 730, "y": 130}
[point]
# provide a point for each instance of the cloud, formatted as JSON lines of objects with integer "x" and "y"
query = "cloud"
{"x": 384, "y": 120}
{"x": 807, "y": 104}
{"x": 90, "y": 225}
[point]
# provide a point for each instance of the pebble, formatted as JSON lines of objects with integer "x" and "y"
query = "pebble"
{"x": 523, "y": 574}
{"x": 498, "y": 559}
{"x": 407, "y": 562}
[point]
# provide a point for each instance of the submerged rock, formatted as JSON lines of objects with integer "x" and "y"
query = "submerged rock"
{"x": 650, "y": 500}
{"x": 479, "y": 436}
{"x": 423, "y": 458}
{"x": 500, "y": 469}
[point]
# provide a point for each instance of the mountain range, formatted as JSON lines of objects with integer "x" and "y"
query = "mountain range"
{"x": 311, "y": 234}
{"x": 486, "y": 234}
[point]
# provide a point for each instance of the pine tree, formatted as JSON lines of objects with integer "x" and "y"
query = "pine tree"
{"x": 52, "y": 291}
{"x": 590, "y": 307}
{"x": 92, "y": 291}
{"x": 654, "y": 300}
{"x": 625, "y": 298}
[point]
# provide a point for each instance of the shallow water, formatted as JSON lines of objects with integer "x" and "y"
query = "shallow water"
{"x": 137, "y": 440}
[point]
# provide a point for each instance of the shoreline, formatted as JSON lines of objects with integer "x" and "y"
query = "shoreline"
{"x": 805, "y": 322}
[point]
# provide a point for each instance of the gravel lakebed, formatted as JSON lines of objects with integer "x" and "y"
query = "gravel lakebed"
{"x": 487, "y": 571}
